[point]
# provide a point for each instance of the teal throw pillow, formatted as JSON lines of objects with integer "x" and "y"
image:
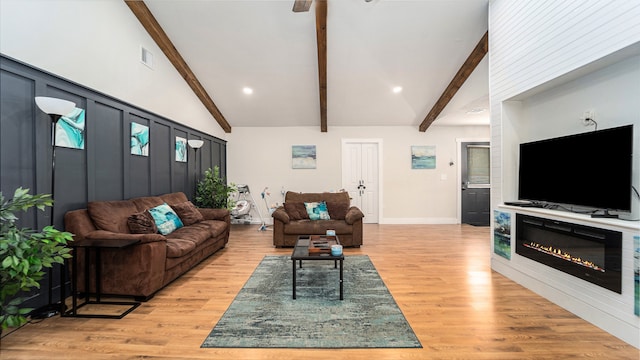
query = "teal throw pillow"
{"x": 165, "y": 218}
{"x": 317, "y": 210}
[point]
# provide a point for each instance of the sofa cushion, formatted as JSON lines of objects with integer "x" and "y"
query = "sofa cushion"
{"x": 179, "y": 247}
{"x": 188, "y": 213}
{"x": 111, "y": 215}
{"x": 310, "y": 227}
{"x": 197, "y": 233}
{"x": 174, "y": 198}
{"x": 337, "y": 210}
{"x": 216, "y": 227}
{"x": 165, "y": 218}
{"x": 142, "y": 223}
{"x": 317, "y": 210}
{"x": 342, "y": 197}
{"x": 296, "y": 210}
{"x": 147, "y": 202}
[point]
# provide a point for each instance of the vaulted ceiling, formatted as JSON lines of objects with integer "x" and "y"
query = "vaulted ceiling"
{"x": 372, "y": 47}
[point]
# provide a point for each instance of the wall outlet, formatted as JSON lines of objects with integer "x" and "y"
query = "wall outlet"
{"x": 588, "y": 117}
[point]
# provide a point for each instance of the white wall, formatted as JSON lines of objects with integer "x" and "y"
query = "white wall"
{"x": 97, "y": 44}
{"x": 550, "y": 61}
{"x": 261, "y": 157}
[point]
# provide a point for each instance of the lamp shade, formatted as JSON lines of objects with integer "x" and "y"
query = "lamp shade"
{"x": 54, "y": 106}
{"x": 195, "y": 143}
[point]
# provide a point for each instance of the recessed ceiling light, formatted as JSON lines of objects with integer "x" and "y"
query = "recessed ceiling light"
{"x": 247, "y": 90}
{"x": 397, "y": 89}
{"x": 476, "y": 111}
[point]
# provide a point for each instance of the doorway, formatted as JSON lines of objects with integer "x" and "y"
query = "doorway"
{"x": 360, "y": 176}
{"x": 475, "y": 190}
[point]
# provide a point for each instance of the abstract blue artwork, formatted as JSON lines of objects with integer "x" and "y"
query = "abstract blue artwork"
{"x": 70, "y": 130}
{"x": 502, "y": 234}
{"x": 139, "y": 139}
{"x": 181, "y": 149}
{"x": 303, "y": 157}
{"x": 423, "y": 157}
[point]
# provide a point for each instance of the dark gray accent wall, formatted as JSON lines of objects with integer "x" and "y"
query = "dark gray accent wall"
{"x": 105, "y": 168}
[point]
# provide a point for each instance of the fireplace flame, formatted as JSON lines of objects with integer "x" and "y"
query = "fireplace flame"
{"x": 559, "y": 253}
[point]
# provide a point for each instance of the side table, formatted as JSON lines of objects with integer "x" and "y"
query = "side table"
{"x": 96, "y": 245}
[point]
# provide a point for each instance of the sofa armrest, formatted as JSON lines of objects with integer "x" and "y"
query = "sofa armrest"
{"x": 215, "y": 214}
{"x": 281, "y": 215}
{"x": 353, "y": 215}
{"x": 78, "y": 223}
{"x": 108, "y": 235}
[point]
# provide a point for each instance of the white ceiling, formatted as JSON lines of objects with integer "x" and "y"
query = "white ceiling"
{"x": 371, "y": 47}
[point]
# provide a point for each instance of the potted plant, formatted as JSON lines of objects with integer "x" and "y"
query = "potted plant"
{"x": 213, "y": 191}
{"x": 24, "y": 253}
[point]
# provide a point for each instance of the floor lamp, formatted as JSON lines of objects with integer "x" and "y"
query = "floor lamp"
{"x": 195, "y": 144}
{"x": 55, "y": 108}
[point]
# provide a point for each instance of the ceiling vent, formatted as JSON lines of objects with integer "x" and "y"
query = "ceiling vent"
{"x": 146, "y": 57}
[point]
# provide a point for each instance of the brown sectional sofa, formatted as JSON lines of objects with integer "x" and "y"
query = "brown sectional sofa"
{"x": 289, "y": 221}
{"x": 144, "y": 268}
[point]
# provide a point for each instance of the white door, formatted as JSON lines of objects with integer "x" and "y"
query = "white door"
{"x": 360, "y": 176}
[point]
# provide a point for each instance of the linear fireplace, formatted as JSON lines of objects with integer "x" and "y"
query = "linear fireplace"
{"x": 589, "y": 253}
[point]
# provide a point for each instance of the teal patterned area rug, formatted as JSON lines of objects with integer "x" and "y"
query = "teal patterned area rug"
{"x": 264, "y": 315}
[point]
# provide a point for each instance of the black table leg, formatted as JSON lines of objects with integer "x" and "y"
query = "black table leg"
{"x": 63, "y": 271}
{"x": 341, "y": 283}
{"x": 87, "y": 274}
{"x": 74, "y": 283}
{"x": 98, "y": 273}
{"x": 294, "y": 278}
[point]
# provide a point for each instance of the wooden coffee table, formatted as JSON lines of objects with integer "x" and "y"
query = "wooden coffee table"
{"x": 314, "y": 247}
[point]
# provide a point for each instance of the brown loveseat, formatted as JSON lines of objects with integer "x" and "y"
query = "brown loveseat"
{"x": 291, "y": 220}
{"x": 144, "y": 268}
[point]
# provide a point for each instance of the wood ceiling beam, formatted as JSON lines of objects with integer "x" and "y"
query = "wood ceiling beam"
{"x": 461, "y": 76}
{"x": 301, "y": 5}
{"x": 321, "y": 38}
{"x": 149, "y": 22}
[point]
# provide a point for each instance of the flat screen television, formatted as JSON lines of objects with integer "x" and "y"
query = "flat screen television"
{"x": 591, "y": 169}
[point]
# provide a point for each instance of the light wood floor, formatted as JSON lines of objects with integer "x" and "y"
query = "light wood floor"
{"x": 438, "y": 274}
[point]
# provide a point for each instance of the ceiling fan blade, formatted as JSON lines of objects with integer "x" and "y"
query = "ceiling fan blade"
{"x": 301, "y": 5}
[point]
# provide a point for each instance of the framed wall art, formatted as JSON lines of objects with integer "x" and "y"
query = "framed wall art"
{"x": 70, "y": 130}
{"x": 423, "y": 157}
{"x": 181, "y": 149}
{"x": 139, "y": 139}
{"x": 303, "y": 157}
{"x": 502, "y": 234}
{"x": 636, "y": 272}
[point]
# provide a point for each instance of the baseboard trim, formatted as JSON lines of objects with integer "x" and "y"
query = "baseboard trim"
{"x": 419, "y": 221}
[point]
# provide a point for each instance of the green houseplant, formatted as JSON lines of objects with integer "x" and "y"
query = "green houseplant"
{"x": 24, "y": 253}
{"x": 213, "y": 191}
